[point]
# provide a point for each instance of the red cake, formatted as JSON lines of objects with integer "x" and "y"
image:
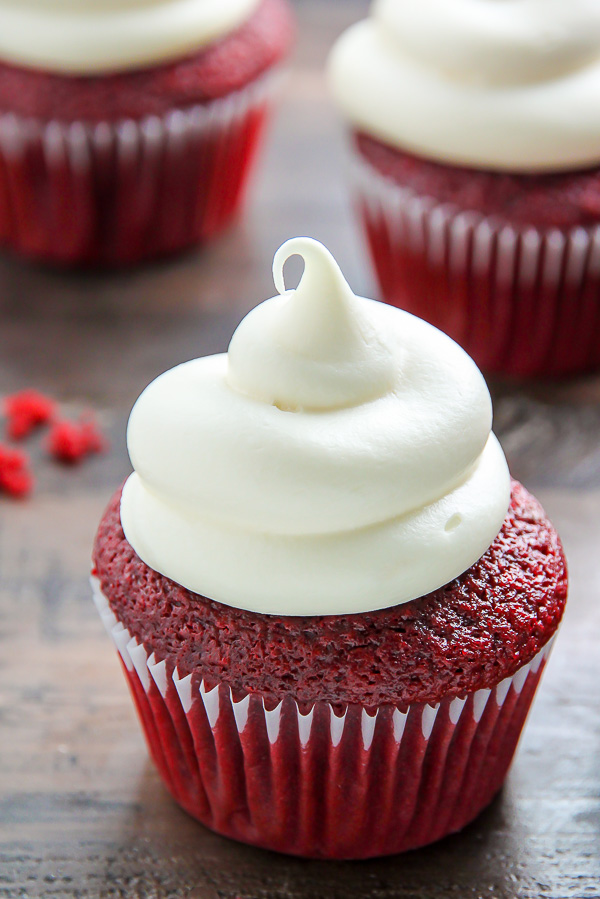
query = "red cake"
{"x": 507, "y": 264}
{"x": 408, "y": 698}
{"x": 545, "y": 200}
{"x": 118, "y": 167}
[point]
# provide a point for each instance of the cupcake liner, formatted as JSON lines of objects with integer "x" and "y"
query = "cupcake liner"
{"x": 323, "y": 781}
{"x": 120, "y": 192}
{"x": 520, "y": 301}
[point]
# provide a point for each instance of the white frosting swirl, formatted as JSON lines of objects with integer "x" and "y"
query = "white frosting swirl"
{"x": 501, "y": 84}
{"x": 338, "y": 459}
{"x": 95, "y": 36}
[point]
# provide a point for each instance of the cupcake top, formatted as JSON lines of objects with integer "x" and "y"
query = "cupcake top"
{"x": 85, "y": 37}
{"x": 501, "y": 84}
{"x": 468, "y": 635}
{"x": 337, "y": 459}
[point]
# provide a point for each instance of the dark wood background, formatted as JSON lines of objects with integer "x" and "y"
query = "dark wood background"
{"x": 82, "y": 812}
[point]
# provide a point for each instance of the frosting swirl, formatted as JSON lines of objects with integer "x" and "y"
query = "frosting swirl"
{"x": 94, "y": 36}
{"x": 501, "y": 84}
{"x": 338, "y": 459}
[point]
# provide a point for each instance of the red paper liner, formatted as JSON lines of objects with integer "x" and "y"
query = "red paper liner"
{"x": 521, "y": 302}
{"x": 118, "y": 193}
{"x": 321, "y": 782}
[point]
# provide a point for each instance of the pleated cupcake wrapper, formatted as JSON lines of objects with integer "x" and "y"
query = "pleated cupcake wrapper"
{"x": 520, "y": 301}
{"x": 321, "y": 781}
{"x": 120, "y": 192}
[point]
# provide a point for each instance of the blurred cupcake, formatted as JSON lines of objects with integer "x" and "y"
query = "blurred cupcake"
{"x": 476, "y": 153}
{"x": 127, "y": 127}
{"x": 331, "y": 605}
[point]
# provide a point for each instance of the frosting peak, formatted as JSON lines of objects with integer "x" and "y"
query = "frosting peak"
{"x": 338, "y": 459}
{"x": 314, "y": 348}
{"x": 505, "y": 84}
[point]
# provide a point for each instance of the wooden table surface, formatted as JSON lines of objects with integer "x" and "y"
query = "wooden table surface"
{"x": 82, "y": 812}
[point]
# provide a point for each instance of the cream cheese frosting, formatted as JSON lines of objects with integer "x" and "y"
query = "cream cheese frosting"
{"x": 95, "y": 36}
{"x": 337, "y": 459}
{"x": 501, "y": 84}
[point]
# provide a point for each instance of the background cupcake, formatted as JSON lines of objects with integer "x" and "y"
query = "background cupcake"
{"x": 127, "y": 129}
{"x": 382, "y": 601}
{"x": 476, "y": 171}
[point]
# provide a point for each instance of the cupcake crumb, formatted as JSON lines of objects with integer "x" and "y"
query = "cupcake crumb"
{"x": 16, "y": 478}
{"x": 70, "y": 442}
{"x": 25, "y": 411}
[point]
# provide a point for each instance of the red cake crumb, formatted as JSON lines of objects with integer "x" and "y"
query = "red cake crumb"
{"x": 15, "y": 477}
{"x": 25, "y": 411}
{"x": 66, "y": 442}
{"x": 70, "y": 442}
{"x": 470, "y": 634}
{"x": 94, "y": 439}
{"x": 548, "y": 200}
{"x": 225, "y": 66}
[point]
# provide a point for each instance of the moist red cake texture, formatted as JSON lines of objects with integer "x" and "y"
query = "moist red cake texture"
{"x": 557, "y": 200}
{"x": 224, "y": 66}
{"x": 470, "y": 634}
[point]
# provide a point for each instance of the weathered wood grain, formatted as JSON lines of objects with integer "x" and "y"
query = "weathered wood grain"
{"x": 82, "y": 812}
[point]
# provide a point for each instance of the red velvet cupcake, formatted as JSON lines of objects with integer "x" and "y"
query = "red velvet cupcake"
{"x": 475, "y": 169}
{"x": 314, "y": 675}
{"x": 129, "y": 132}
